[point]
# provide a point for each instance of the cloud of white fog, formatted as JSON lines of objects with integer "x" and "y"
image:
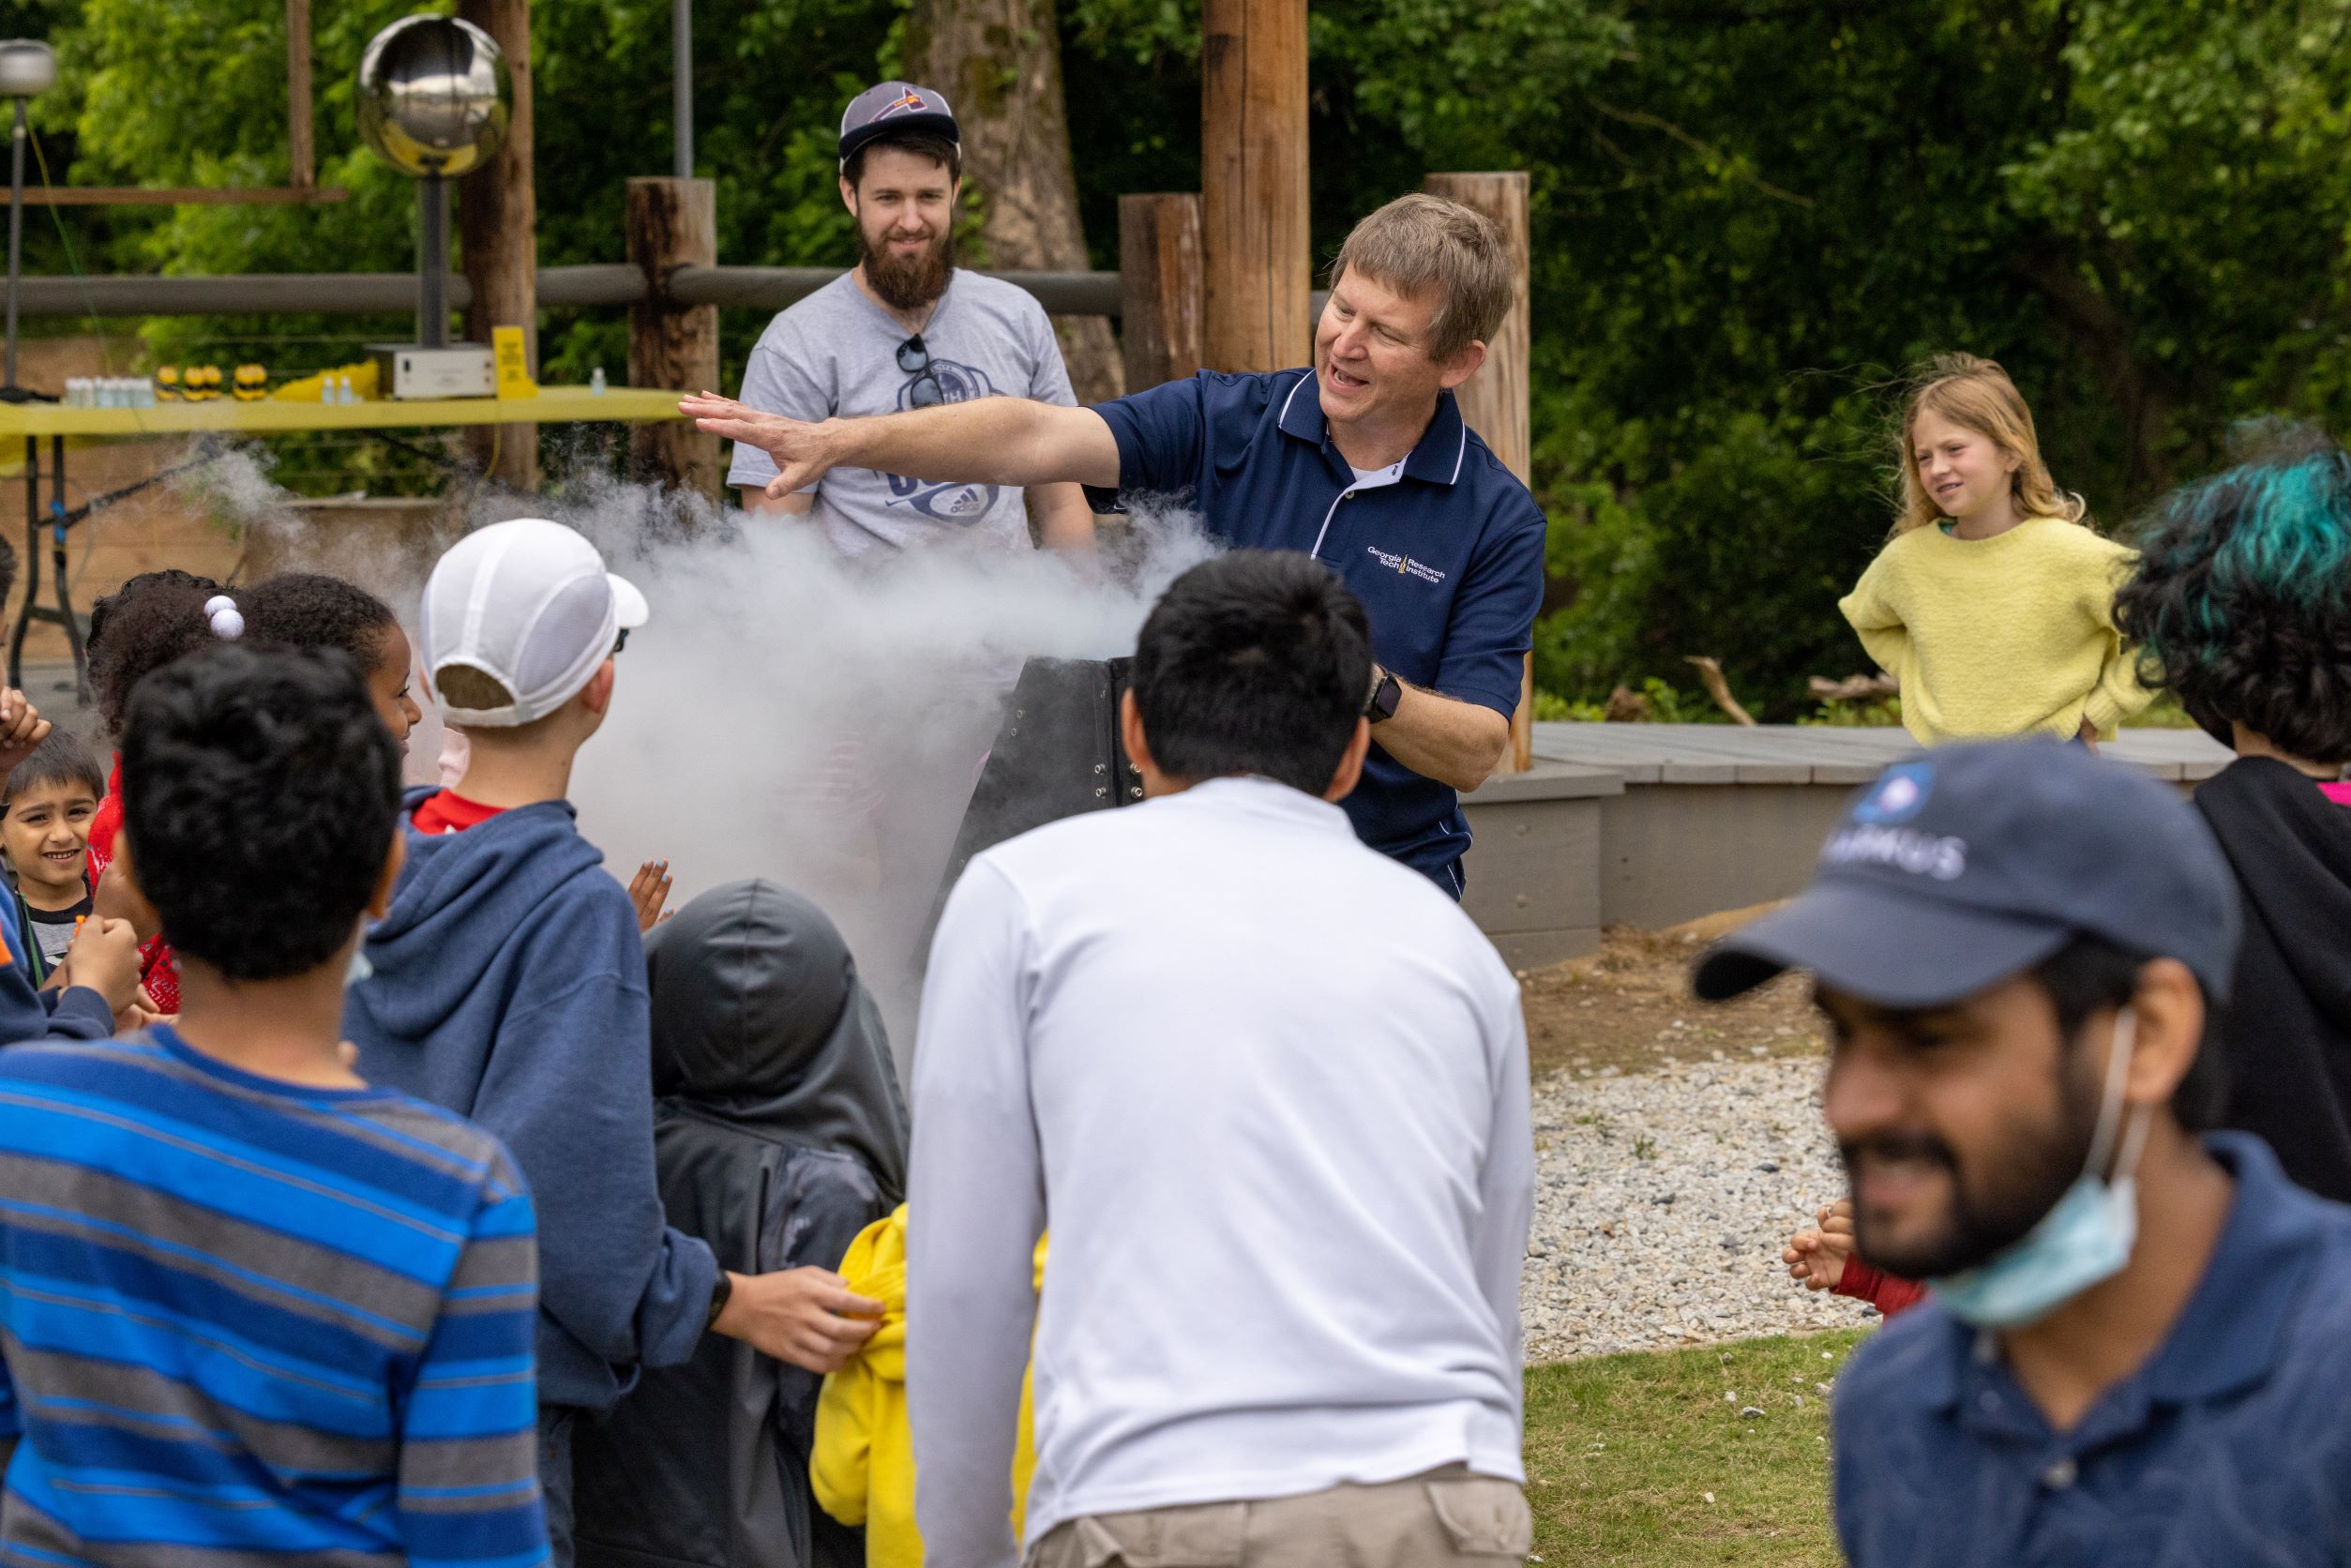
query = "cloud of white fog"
{"x": 232, "y": 486}
{"x": 791, "y": 715}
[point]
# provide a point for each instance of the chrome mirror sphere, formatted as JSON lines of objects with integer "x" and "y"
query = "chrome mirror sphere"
{"x": 27, "y": 66}
{"x": 433, "y": 96}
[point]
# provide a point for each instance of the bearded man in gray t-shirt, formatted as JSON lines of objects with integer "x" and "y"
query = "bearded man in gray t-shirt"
{"x": 905, "y": 328}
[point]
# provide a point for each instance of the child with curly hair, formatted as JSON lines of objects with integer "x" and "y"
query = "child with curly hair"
{"x": 311, "y": 610}
{"x": 145, "y": 624}
{"x": 2241, "y": 607}
{"x": 157, "y": 617}
{"x": 1993, "y": 602}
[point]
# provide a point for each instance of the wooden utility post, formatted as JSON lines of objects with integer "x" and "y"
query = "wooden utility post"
{"x": 497, "y": 225}
{"x": 1159, "y": 282}
{"x": 1495, "y": 401}
{"x": 1255, "y": 243}
{"x": 301, "y": 150}
{"x": 674, "y": 223}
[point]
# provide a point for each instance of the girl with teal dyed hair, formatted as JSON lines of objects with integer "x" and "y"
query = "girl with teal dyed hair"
{"x": 2241, "y": 602}
{"x": 2240, "y": 605}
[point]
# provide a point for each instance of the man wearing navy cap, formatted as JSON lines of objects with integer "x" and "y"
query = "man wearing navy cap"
{"x": 906, "y": 329}
{"x": 1361, "y": 460}
{"x": 2137, "y": 1346}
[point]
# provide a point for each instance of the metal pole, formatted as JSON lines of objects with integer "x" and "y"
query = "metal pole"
{"x": 30, "y": 610}
{"x": 16, "y": 232}
{"x": 432, "y": 257}
{"x": 681, "y": 84}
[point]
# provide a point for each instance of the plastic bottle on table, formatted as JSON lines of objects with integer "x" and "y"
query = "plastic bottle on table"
{"x": 595, "y": 380}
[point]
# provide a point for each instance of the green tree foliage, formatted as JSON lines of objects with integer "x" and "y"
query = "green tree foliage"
{"x": 1750, "y": 217}
{"x": 2188, "y": 215}
{"x": 770, "y": 80}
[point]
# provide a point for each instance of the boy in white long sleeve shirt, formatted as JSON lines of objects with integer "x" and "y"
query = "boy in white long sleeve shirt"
{"x": 1270, "y": 1088}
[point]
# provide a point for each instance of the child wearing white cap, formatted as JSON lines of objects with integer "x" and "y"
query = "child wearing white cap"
{"x": 508, "y": 984}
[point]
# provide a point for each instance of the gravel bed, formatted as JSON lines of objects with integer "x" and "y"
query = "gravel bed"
{"x": 1661, "y": 1201}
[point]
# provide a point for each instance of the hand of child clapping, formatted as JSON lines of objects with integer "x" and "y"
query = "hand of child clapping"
{"x": 649, "y": 890}
{"x": 1816, "y": 1259}
{"x": 22, "y": 727}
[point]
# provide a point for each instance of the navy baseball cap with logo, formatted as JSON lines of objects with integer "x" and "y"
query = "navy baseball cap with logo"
{"x": 1976, "y": 862}
{"x": 895, "y": 108}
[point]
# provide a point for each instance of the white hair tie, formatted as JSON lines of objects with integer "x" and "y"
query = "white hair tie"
{"x": 226, "y": 624}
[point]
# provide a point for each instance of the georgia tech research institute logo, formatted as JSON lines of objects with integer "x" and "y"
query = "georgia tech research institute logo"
{"x": 1404, "y": 564}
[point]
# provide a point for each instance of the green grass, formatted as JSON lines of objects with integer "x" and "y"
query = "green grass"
{"x": 1622, "y": 1451}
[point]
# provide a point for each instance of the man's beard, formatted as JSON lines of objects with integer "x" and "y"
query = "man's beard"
{"x": 2022, "y": 1182}
{"x": 908, "y": 283}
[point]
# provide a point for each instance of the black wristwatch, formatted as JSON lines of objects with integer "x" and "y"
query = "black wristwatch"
{"x": 719, "y": 1296}
{"x": 1386, "y": 692}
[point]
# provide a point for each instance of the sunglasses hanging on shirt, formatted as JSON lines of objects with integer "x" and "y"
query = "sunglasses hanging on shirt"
{"x": 914, "y": 359}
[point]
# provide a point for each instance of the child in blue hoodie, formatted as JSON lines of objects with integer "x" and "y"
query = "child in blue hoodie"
{"x": 509, "y": 986}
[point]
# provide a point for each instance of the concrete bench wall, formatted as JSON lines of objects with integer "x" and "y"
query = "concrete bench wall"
{"x": 1652, "y": 824}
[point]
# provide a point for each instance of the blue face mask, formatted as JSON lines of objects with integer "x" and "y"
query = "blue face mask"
{"x": 2084, "y": 1238}
{"x": 358, "y": 968}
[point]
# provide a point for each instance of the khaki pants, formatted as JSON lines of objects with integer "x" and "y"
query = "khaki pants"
{"x": 1445, "y": 1516}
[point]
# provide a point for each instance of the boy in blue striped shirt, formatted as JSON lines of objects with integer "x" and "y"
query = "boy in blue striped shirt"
{"x": 251, "y": 1309}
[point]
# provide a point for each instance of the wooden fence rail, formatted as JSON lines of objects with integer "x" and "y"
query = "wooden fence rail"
{"x": 605, "y": 283}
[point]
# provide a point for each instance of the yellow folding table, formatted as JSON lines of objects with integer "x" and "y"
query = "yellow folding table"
{"x": 31, "y": 421}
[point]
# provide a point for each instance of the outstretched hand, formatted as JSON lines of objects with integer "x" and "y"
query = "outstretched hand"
{"x": 104, "y": 958}
{"x": 649, "y": 889}
{"x": 22, "y": 727}
{"x": 1816, "y": 1259}
{"x": 807, "y": 1317}
{"x": 797, "y": 447}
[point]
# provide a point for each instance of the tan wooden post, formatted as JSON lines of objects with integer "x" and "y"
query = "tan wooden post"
{"x": 674, "y": 223}
{"x": 1255, "y": 245}
{"x": 1495, "y": 401}
{"x": 1159, "y": 279}
{"x": 497, "y": 226}
{"x": 301, "y": 149}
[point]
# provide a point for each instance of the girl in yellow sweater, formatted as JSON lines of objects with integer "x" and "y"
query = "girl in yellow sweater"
{"x": 1993, "y": 604}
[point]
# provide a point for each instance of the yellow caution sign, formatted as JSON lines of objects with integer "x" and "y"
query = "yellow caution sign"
{"x": 514, "y": 363}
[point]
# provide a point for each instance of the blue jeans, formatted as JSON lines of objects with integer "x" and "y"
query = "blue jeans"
{"x": 555, "y": 1425}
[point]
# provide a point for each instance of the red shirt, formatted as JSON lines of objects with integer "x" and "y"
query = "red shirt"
{"x": 447, "y": 811}
{"x": 158, "y": 970}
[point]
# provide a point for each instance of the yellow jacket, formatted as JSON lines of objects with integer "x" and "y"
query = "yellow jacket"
{"x": 2012, "y": 635}
{"x": 863, "y": 1466}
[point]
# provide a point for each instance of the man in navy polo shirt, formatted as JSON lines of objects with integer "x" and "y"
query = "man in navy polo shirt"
{"x": 2136, "y": 1344}
{"x": 1361, "y": 460}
